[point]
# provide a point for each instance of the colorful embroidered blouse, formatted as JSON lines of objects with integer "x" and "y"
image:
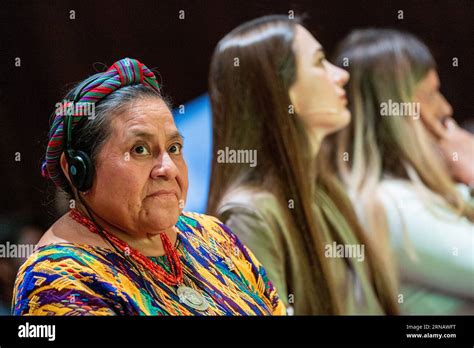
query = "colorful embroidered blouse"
{"x": 74, "y": 279}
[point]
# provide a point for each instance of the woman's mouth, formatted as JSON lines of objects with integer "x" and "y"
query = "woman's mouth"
{"x": 344, "y": 99}
{"x": 164, "y": 194}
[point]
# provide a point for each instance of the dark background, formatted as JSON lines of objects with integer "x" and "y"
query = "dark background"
{"x": 56, "y": 52}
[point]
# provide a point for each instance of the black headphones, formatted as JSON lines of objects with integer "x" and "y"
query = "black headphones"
{"x": 80, "y": 167}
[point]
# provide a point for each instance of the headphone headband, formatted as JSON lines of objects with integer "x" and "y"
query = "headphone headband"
{"x": 122, "y": 73}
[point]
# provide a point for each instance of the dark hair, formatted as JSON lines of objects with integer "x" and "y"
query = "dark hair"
{"x": 91, "y": 134}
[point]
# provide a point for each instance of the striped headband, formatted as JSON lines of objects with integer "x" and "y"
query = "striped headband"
{"x": 124, "y": 72}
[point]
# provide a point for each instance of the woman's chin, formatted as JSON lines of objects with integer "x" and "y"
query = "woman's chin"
{"x": 163, "y": 219}
{"x": 346, "y": 117}
{"x": 340, "y": 121}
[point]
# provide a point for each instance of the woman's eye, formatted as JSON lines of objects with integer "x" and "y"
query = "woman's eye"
{"x": 141, "y": 150}
{"x": 175, "y": 148}
{"x": 320, "y": 60}
{"x": 435, "y": 94}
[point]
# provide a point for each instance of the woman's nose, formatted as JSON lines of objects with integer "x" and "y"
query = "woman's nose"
{"x": 164, "y": 167}
{"x": 339, "y": 76}
{"x": 446, "y": 108}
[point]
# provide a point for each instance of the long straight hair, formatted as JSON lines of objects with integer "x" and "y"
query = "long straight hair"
{"x": 387, "y": 65}
{"x": 252, "y": 70}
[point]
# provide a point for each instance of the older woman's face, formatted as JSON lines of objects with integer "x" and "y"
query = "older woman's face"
{"x": 141, "y": 175}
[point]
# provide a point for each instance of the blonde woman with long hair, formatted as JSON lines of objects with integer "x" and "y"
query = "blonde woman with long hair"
{"x": 274, "y": 94}
{"x": 400, "y": 184}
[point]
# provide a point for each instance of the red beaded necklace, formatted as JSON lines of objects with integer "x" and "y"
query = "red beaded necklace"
{"x": 176, "y": 276}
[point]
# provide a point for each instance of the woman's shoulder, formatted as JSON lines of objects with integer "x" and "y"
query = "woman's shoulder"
{"x": 215, "y": 234}
{"x": 63, "y": 250}
{"x": 257, "y": 209}
{"x": 207, "y": 226}
{"x": 258, "y": 217}
{"x": 66, "y": 231}
{"x": 400, "y": 186}
{"x": 395, "y": 194}
{"x": 57, "y": 277}
{"x": 63, "y": 258}
{"x": 403, "y": 192}
{"x": 412, "y": 208}
{"x": 249, "y": 199}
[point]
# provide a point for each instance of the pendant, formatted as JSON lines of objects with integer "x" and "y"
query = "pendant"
{"x": 192, "y": 298}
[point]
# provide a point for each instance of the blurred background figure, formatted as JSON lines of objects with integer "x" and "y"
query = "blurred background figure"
{"x": 281, "y": 101}
{"x": 400, "y": 170}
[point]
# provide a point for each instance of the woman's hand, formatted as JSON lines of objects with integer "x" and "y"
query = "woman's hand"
{"x": 457, "y": 146}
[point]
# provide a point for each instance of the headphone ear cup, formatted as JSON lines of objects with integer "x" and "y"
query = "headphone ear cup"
{"x": 81, "y": 170}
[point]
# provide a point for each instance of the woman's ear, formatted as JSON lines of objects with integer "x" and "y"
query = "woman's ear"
{"x": 293, "y": 99}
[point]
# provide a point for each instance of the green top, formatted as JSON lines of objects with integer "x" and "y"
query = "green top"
{"x": 259, "y": 221}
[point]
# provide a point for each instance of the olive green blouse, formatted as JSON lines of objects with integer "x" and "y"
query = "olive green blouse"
{"x": 259, "y": 221}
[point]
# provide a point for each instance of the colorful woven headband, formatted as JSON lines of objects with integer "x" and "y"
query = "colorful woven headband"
{"x": 124, "y": 72}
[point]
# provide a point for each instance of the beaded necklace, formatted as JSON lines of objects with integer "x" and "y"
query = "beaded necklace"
{"x": 186, "y": 294}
